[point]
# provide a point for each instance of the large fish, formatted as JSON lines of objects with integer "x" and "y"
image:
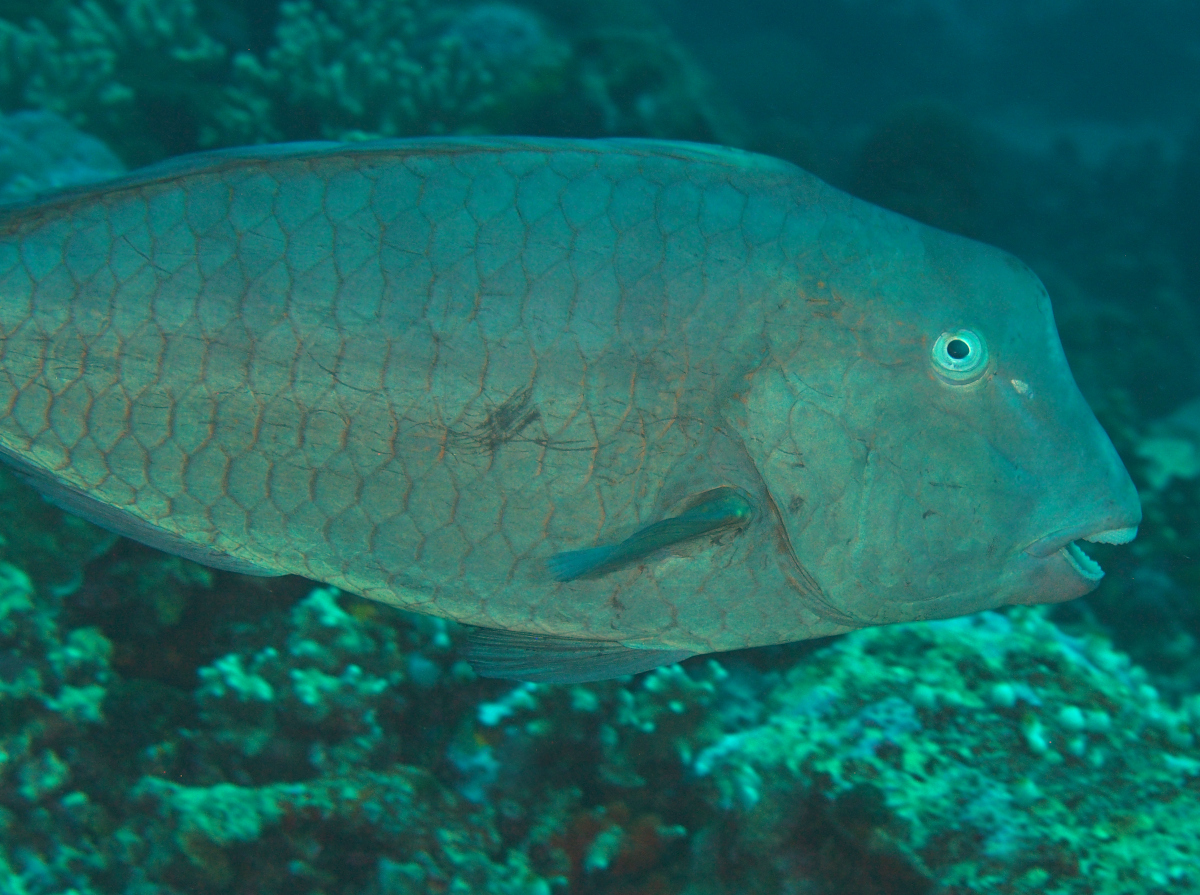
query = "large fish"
{"x": 614, "y": 403}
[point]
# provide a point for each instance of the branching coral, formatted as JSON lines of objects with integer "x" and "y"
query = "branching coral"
{"x": 109, "y": 66}
{"x": 356, "y": 68}
{"x": 161, "y": 77}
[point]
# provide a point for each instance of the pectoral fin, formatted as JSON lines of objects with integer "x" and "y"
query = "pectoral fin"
{"x": 572, "y": 564}
{"x": 712, "y": 511}
{"x": 549, "y": 658}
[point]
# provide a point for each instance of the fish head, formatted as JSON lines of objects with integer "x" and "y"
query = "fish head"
{"x": 921, "y": 434}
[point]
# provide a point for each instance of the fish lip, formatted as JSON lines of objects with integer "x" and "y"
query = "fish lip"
{"x": 1098, "y": 533}
{"x": 1062, "y": 542}
{"x": 1086, "y": 567}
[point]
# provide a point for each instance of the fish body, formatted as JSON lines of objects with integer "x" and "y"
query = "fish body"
{"x": 421, "y": 370}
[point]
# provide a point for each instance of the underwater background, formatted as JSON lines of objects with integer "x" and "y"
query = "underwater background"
{"x": 167, "y": 728}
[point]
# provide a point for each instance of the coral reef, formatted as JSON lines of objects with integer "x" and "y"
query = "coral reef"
{"x": 51, "y": 546}
{"x": 41, "y": 151}
{"x": 364, "y": 831}
{"x": 140, "y": 75}
{"x": 279, "y": 776}
{"x": 53, "y": 684}
{"x": 987, "y": 754}
{"x": 351, "y": 68}
{"x": 163, "y": 77}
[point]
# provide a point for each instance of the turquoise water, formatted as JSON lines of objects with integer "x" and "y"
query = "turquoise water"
{"x": 170, "y": 728}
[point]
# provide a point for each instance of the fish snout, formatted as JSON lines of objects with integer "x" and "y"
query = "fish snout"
{"x": 1114, "y": 520}
{"x": 1093, "y": 499}
{"x": 1058, "y": 567}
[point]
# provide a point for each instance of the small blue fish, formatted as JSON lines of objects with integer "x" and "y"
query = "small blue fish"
{"x": 715, "y": 510}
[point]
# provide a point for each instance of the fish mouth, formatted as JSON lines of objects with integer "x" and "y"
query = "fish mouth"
{"x": 1065, "y": 542}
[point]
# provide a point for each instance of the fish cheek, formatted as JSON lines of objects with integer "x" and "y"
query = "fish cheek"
{"x": 873, "y": 493}
{"x": 934, "y": 520}
{"x": 807, "y": 461}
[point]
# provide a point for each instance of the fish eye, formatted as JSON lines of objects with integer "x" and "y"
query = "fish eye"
{"x": 960, "y": 356}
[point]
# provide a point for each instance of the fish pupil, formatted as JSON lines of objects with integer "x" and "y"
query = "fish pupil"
{"x": 957, "y": 349}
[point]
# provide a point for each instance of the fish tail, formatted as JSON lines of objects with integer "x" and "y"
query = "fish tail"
{"x": 572, "y": 564}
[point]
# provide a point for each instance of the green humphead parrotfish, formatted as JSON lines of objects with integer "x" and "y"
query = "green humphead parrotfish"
{"x": 610, "y": 403}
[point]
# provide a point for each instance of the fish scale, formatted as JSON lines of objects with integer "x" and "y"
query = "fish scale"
{"x": 419, "y": 370}
{"x": 252, "y": 334}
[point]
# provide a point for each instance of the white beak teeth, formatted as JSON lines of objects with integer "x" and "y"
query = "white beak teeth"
{"x": 1082, "y": 563}
{"x": 1114, "y": 536}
